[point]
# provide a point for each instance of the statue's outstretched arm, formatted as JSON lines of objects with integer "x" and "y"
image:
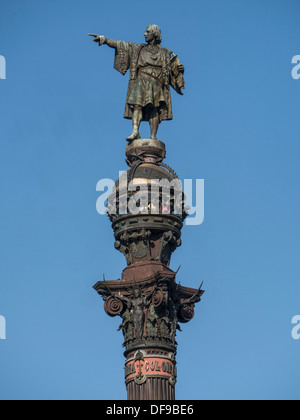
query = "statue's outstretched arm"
{"x": 101, "y": 39}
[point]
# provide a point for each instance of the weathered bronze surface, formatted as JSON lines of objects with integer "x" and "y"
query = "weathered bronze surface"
{"x": 153, "y": 69}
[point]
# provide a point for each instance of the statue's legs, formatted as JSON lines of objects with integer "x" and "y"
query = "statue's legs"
{"x": 137, "y": 117}
{"x": 136, "y": 122}
{"x": 154, "y": 121}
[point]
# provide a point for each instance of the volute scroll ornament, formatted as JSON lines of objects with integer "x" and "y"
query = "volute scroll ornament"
{"x": 113, "y": 306}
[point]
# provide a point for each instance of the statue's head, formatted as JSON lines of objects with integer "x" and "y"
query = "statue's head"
{"x": 136, "y": 292}
{"x": 153, "y": 32}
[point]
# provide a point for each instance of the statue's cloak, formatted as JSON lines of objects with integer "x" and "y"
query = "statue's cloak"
{"x": 127, "y": 58}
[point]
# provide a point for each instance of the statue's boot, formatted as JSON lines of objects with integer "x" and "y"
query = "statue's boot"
{"x": 135, "y": 134}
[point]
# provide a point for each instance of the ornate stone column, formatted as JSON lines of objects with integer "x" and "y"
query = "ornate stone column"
{"x": 147, "y": 298}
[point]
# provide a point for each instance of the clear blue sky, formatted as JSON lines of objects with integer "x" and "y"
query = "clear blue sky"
{"x": 62, "y": 130}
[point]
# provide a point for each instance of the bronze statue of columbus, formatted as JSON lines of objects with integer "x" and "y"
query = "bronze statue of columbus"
{"x": 153, "y": 69}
